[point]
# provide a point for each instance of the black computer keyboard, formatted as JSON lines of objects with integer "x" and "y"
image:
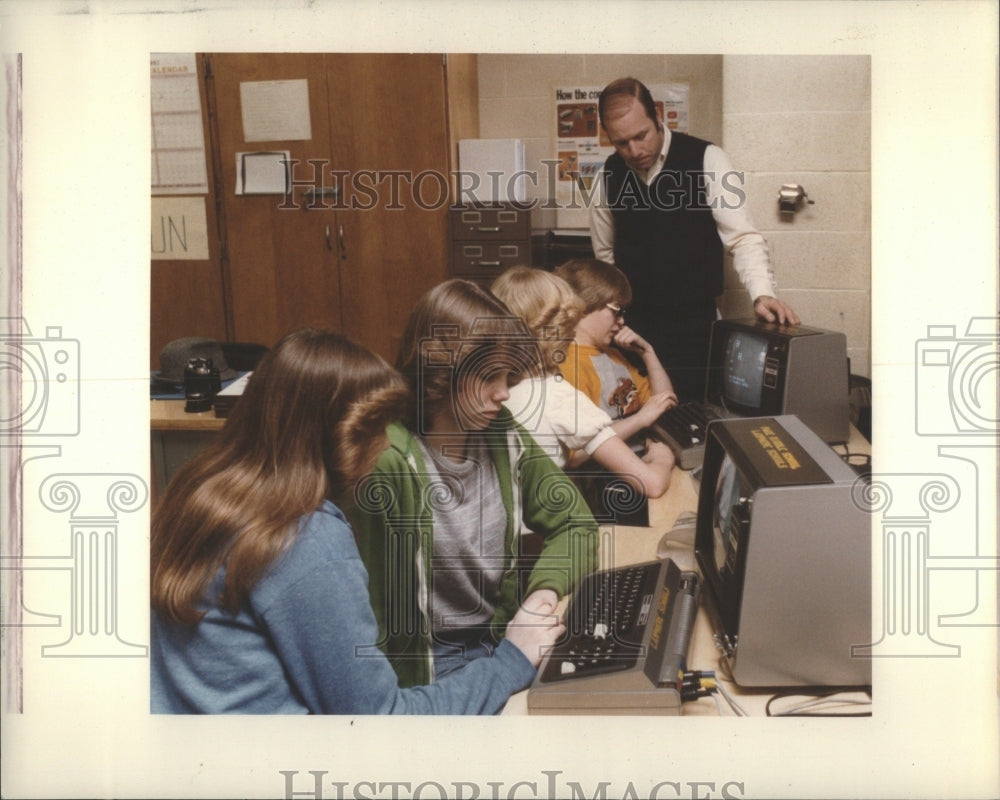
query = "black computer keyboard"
{"x": 628, "y": 630}
{"x": 605, "y": 623}
{"x": 682, "y": 428}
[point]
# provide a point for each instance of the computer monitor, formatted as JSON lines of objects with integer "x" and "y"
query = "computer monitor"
{"x": 785, "y": 555}
{"x": 762, "y": 369}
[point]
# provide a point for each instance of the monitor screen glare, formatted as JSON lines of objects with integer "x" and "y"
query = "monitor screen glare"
{"x": 727, "y": 497}
{"x": 743, "y": 369}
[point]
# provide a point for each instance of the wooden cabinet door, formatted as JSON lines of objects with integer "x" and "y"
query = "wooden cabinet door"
{"x": 357, "y": 263}
{"x": 282, "y": 262}
{"x": 389, "y": 128}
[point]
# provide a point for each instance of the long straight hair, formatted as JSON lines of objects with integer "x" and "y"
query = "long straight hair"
{"x": 310, "y": 423}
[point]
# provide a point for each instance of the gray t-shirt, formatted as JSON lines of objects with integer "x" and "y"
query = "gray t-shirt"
{"x": 469, "y": 525}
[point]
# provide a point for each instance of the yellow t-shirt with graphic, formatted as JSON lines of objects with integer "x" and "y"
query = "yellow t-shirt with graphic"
{"x": 607, "y": 378}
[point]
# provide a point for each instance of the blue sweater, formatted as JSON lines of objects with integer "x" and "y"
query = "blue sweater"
{"x": 304, "y": 644}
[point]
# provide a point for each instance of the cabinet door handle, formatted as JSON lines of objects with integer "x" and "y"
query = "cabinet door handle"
{"x": 488, "y": 229}
{"x": 315, "y": 196}
{"x": 340, "y": 241}
{"x": 329, "y": 242}
{"x": 487, "y": 263}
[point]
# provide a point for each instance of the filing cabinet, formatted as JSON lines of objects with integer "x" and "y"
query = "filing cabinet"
{"x": 487, "y": 239}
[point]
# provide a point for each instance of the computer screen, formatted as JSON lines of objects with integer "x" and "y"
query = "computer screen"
{"x": 785, "y": 555}
{"x": 728, "y": 489}
{"x": 743, "y": 371}
{"x": 757, "y": 368}
{"x": 729, "y": 513}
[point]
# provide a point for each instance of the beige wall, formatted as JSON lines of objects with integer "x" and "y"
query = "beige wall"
{"x": 782, "y": 119}
{"x": 807, "y": 120}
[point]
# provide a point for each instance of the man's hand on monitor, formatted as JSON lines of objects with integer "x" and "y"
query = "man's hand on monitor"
{"x": 771, "y": 309}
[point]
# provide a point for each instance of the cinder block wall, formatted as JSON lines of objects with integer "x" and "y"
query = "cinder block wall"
{"x": 807, "y": 120}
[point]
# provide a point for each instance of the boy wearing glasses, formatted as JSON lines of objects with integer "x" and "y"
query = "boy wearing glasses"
{"x": 596, "y": 363}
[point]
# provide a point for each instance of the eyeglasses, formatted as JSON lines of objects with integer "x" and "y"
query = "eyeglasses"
{"x": 618, "y": 311}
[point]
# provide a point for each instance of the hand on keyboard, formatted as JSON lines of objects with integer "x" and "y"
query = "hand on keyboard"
{"x": 655, "y": 406}
{"x": 541, "y": 601}
{"x": 535, "y": 627}
{"x": 684, "y": 429}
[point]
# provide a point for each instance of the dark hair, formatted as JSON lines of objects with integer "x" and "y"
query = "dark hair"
{"x": 629, "y": 87}
{"x": 596, "y": 282}
{"x": 310, "y": 423}
{"x": 455, "y": 329}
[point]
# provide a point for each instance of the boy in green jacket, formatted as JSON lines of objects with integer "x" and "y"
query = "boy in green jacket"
{"x": 465, "y": 518}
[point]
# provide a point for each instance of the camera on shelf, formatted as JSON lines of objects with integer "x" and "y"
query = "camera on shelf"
{"x": 202, "y": 382}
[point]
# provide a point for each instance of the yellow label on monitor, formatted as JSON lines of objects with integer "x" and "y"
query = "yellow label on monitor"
{"x": 775, "y": 448}
{"x": 768, "y": 454}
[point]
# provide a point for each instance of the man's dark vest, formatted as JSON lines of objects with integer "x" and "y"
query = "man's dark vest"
{"x": 666, "y": 241}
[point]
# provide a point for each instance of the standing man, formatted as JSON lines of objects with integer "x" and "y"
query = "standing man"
{"x": 667, "y": 206}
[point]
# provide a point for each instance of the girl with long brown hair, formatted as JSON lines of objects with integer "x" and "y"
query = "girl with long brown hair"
{"x": 259, "y": 596}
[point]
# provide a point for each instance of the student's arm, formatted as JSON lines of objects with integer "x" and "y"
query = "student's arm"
{"x": 630, "y": 341}
{"x": 578, "y": 424}
{"x": 649, "y": 474}
{"x": 636, "y": 423}
{"x": 324, "y": 634}
{"x": 554, "y": 508}
{"x": 590, "y": 434}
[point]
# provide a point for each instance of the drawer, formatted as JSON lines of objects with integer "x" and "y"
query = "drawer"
{"x": 488, "y": 258}
{"x": 490, "y": 223}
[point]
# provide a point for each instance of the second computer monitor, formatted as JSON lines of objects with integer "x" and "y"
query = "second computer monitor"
{"x": 783, "y": 543}
{"x": 761, "y": 369}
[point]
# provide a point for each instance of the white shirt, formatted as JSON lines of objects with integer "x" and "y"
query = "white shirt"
{"x": 559, "y": 417}
{"x": 727, "y": 198}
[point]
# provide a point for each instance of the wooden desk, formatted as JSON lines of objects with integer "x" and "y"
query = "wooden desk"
{"x": 623, "y": 545}
{"x": 175, "y": 436}
{"x": 169, "y": 415}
